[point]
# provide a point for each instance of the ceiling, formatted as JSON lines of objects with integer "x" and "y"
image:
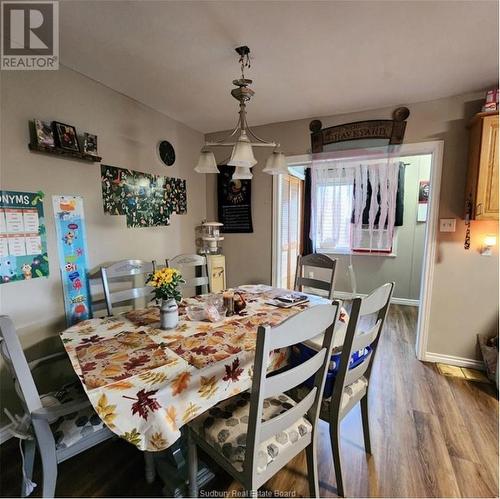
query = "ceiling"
{"x": 309, "y": 58}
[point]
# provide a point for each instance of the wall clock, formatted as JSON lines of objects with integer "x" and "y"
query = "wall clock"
{"x": 166, "y": 152}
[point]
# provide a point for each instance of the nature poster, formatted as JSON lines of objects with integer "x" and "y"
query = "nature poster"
{"x": 145, "y": 199}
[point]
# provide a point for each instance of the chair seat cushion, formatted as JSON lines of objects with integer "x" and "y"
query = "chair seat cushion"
{"x": 355, "y": 390}
{"x": 69, "y": 429}
{"x": 224, "y": 427}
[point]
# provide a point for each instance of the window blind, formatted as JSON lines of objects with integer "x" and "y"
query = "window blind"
{"x": 291, "y": 213}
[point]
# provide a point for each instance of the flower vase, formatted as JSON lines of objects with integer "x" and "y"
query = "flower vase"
{"x": 169, "y": 314}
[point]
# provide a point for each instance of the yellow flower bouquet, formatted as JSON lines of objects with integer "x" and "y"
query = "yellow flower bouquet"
{"x": 166, "y": 283}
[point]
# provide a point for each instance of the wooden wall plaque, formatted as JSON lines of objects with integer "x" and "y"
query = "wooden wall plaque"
{"x": 392, "y": 130}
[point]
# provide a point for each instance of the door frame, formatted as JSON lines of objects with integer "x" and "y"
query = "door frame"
{"x": 435, "y": 149}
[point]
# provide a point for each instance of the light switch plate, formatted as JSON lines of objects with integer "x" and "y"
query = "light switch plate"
{"x": 447, "y": 224}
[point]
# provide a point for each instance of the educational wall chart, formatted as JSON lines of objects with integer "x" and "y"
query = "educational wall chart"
{"x": 146, "y": 200}
{"x": 72, "y": 246}
{"x": 23, "y": 242}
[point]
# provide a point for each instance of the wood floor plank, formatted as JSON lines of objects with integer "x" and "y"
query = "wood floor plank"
{"x": 472, "y": 479}
{"x": 480, "y": 412}
{"x": 433, "y": 457}
{"x": 452, "y": 418}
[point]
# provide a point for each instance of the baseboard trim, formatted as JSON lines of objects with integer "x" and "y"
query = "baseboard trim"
{"x": 344, "y": 295}
{"x": 453, "y": 360}
{"x": 5, "y": 434}
{"x": 405, "y": 301}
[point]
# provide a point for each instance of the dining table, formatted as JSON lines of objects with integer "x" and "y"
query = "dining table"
{"x": 146, "y": 383}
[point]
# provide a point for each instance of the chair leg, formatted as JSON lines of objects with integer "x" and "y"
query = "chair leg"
{"x": 366, "y": 423}
{"x": 192, "y": 466}
{"x": 335, "y": 439}
{"x": 49, "y": 467}
{"x": 312, "y": 468}
{"x": 47, "y": 449}
{"x": 149, "y": 467}
{"x": 29, "y": 449}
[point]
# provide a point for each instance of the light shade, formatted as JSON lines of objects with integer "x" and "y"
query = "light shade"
{"x": 276, "y": 164}
{"x": 242, "y": 154}
{"x": 242, "y": 173}
{"x": 206, "y": 163}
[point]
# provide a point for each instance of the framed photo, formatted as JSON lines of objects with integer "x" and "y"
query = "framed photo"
{"x": 65, "y": 136}
{"x": 44, "y": 133}
{"x": 90, "y": 144}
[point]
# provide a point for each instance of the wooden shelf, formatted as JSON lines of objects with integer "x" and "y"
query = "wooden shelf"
{"x": 57, "y": 151}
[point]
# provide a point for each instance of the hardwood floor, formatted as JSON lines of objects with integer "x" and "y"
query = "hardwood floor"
{"x": 432, "y": 436}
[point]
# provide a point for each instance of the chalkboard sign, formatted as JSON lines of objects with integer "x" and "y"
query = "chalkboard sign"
{"x": 234, "y": 202}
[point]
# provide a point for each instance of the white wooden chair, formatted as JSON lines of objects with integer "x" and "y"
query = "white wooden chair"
{"x": 253, "y": 435}
{"x": 62, "y": 423}
{"x": 320, "y": 261}
{"x": 122, "y": 271}
{"x": 351, "y": 385}
{"x": 189, "y": 262}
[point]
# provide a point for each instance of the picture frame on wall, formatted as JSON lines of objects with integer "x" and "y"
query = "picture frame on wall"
{"x": 65, "y": 136}
{"x": 44, "y": 133}
{"x": 90, "y": 144}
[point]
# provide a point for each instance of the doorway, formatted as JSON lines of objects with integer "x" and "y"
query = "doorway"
{"x": 418, "y": 244}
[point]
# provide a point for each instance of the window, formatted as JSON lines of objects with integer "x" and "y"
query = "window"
{"x": 333, "y": 231}
{"x": 334, "y": 208}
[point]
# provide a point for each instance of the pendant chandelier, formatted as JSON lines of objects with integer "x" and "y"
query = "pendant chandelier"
{"x": 242, "y": 139}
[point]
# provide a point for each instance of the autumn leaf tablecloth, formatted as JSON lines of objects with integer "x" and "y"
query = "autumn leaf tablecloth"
{"x": 146, "y": 383}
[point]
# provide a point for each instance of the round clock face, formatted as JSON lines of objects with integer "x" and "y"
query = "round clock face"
{"x": 166, "y": 152}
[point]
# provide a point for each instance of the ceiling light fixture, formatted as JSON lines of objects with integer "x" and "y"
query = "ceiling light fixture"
{"x": 242, "y": 157}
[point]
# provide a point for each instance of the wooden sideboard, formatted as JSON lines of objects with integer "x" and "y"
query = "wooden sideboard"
{"x": 482, "y": 178}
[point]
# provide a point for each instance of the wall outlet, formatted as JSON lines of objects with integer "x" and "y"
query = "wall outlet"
{"x": 447, "y": 224}
{"x": 311, "y": 274}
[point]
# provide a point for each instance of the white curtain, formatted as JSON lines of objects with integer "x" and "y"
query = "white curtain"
{"x": 331, "y": 197}
{"x": 339, "y": 195}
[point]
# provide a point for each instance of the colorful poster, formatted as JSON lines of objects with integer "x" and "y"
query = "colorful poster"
{"x": 23, "y": 242}
{"x": 145, "y": 199}
{"x": 72, "y": 246}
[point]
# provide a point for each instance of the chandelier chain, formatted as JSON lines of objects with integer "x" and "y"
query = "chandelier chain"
{"x": 245, "y": 63}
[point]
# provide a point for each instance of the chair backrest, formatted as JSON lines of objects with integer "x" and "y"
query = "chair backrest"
{"x": 13, "y": 355}
{"x": 126, "y": 270}
{"x": 316, "y": 260}
{"x": 196, "y": 262}
{"x": 296, "y": 329}
{"x": 375, "y": 305}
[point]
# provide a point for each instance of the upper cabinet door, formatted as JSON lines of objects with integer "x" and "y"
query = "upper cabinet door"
{"x": 487, "y": 181}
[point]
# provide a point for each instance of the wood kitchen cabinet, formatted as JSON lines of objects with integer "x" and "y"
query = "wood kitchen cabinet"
{"x": 482, "y": 179}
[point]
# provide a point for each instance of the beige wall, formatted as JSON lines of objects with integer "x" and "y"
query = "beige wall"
{"x": 127, "y": 136}
{"x": 465, "y": 291}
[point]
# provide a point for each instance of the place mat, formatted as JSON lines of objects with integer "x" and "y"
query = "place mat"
{"x": 144, "y": 316}
{"x": 118, "y": 358}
